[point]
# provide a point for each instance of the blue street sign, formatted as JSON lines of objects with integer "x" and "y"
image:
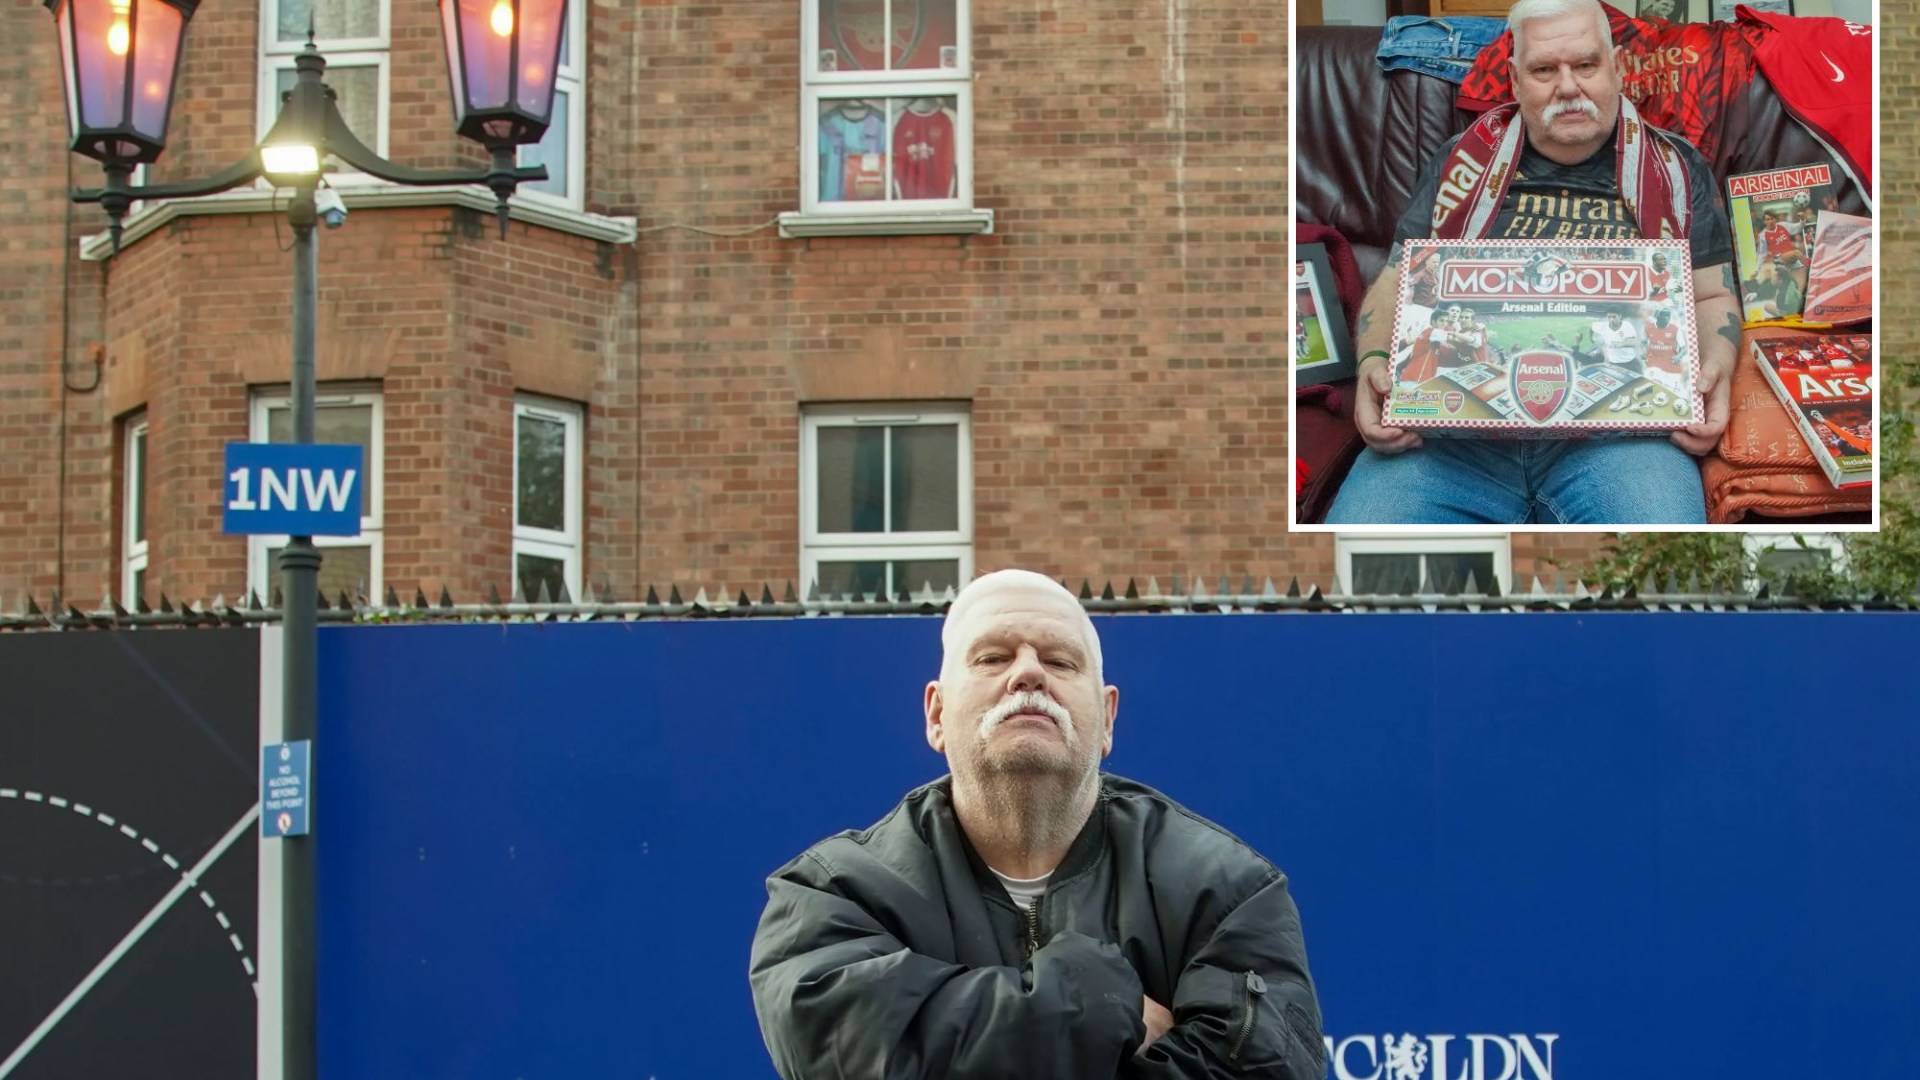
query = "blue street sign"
{"x": 284, "y": 788}
{"x": 296, "y": 489}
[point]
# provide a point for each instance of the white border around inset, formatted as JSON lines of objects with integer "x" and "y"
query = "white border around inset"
{"x": 1293, "y": 493}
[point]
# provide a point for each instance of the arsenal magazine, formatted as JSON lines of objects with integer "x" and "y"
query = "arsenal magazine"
{"x": 1826, "y": 384}
{"x": 1774, "y": 221}
{"x": 1840, "y": 281}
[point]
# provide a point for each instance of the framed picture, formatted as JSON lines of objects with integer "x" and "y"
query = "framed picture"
{"x": 1322, "y": 348}
{"x": 1670, "y": 10}
{"x": 1723, "y": 9}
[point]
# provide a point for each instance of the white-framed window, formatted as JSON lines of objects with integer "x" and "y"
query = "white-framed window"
{"x": 356, "y": 37}
{"x": 1778, "y": 556}
{"x": 886, "y": 498}
{"x": 133, "y": 541}
{"x": 346, "y": 416}
{"x": 547, "y": 469}
{"x": 141, "y": 174}
{"x": 1404, "y": 564}
{"x": 563, "y": 149}
{"x": 886, "y": 118}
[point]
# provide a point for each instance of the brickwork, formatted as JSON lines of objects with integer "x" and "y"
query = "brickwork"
{"x": 1898, "y": 179}
{"x": 1117, "y": 336}
{"x": 36, "y": 416}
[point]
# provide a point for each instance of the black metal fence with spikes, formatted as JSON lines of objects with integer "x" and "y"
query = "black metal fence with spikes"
{"x": 1181, "y": 596}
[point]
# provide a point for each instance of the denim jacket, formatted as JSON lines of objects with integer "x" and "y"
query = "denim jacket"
{"x": 1443, "y": 47}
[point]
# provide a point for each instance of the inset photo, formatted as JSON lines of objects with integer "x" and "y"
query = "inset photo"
{"x": 1601, "y": 266}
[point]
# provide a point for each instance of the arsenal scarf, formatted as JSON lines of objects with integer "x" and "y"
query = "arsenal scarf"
{"x": 1475, "y": 177}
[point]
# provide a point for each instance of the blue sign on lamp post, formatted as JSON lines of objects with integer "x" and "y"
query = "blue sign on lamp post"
{"x": 292, "y": 489}
{"x": 285, "y": 788}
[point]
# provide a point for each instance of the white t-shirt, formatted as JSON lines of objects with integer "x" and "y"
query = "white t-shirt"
{"x": 1617, "y": 344}
{"x": 1025, "y": 891}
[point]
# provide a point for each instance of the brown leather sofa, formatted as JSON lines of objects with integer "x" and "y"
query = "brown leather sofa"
{"x": 1362, "y": 135}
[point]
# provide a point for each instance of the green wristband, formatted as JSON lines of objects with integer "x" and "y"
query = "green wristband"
{"x": 1371, "y": 353}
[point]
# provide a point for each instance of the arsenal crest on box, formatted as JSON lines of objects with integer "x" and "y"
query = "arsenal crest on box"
{"x": 1541, "y": 378}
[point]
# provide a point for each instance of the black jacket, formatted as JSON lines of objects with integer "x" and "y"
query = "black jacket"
{"x": 894, "y": 954}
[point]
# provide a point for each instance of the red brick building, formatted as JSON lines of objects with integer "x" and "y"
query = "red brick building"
{"x": 834, "y": 289}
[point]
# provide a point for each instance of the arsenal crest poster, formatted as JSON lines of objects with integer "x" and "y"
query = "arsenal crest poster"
{"x": 888, "y": 35}
{"x": 1523, "y": 339}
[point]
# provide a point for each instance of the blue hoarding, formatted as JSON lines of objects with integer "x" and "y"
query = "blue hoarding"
{"x": 1647, "y": 845}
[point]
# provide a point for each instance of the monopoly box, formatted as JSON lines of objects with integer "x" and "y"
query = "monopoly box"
{"x": 1520, "y": 339}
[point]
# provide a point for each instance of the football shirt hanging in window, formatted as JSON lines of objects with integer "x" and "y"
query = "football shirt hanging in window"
{"x": 881, "y": 149}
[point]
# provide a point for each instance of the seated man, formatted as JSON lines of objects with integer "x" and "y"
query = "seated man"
{"x": 1580, "y": 164}
{"x": 1028, "y": 916}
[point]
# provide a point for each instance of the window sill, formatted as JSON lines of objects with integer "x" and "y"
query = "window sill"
{"x": 794, "y": 224}
{"x": 252, "y": 200}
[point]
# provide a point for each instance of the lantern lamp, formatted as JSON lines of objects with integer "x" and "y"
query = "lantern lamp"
{"x": 501, "y": 56}
{"x": 120, "y": 58}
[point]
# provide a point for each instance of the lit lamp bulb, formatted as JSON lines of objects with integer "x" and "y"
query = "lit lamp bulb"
{"x": 502, "y": 20}
{"x": 119, "y": 36}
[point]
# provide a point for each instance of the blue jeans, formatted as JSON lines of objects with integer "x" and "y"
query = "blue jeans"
{"x": 1642, "y": 480}
{"x": 1442, "y": 47}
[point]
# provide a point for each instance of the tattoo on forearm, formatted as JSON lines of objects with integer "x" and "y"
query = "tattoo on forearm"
{"x": 1366, "y": 320}
{"x": 1731, "y": 331}
{"x": 1726, "y": 276}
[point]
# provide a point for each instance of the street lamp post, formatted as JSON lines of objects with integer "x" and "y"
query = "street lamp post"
{"x": 120, "y": 59}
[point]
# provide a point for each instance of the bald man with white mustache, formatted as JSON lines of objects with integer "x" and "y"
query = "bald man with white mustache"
{"x": 1029, "y": 916}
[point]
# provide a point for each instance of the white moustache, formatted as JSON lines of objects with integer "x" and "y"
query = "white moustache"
{"x": 1028, "y": 701}
{"x": 1560, "y": 108}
